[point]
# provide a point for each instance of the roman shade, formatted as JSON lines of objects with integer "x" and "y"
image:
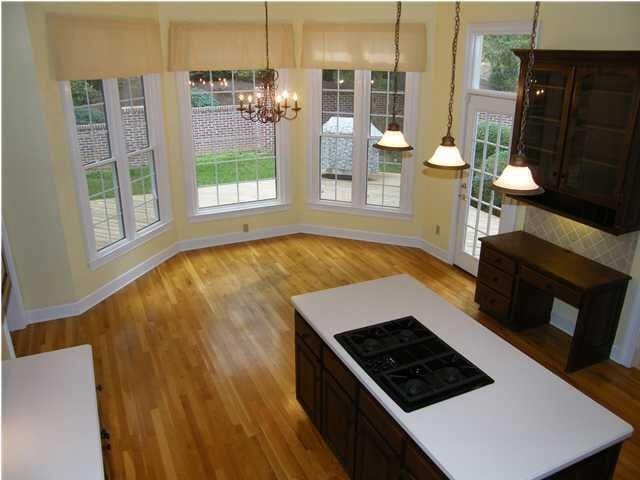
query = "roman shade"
{"x": 226, "y": 46}
{"x": 86, "y": 48}
{"x": 366, "y": 46}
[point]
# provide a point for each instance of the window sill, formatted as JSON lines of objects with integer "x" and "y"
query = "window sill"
{"x": 124, "y": 246}
{"x": 369, "y": 211}
{"x": 229, "y": 211}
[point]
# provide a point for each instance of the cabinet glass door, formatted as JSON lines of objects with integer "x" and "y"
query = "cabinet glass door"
{"x": 598, "y": 134}
{"x": 544, "y": 132}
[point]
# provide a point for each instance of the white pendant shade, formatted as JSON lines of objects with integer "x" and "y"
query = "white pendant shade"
{"x": 447, "y": 157}
{"x": 393, "y": 140}
{"x": 517, "y": 180}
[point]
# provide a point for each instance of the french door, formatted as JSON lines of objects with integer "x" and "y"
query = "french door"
{"x": 487, "y": 147}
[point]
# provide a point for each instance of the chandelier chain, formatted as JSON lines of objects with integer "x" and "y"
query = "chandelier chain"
{"x": 266, "y": 32}
{"x": 454, "y": 52}
{"x": 528, "y": 79}
{"x": 397, "y": 60}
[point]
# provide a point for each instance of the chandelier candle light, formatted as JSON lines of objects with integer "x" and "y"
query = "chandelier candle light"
{"x": 393, "y": 139}
{"x": 516, "y": 178}
{"x": 269, "y": 106}
{"x": 447, "y": 156}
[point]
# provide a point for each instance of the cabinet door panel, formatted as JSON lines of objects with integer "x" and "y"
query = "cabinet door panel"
{"x": 375, "y": 459}
{"x": 418, "y": 467}
{"x": 598, "y": 138}
{"x": 308, "y": 377}
{"x": 338, "y": 421}
{"x": 546, "y": 121}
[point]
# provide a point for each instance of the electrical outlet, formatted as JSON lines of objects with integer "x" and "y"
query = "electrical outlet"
{"x": 437, "y": 229}
{"x": 245, "y": 227}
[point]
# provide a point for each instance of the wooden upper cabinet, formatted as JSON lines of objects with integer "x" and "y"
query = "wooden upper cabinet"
{"x": 581, "y": 135}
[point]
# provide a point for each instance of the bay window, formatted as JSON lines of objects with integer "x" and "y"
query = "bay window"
{"x": 116, "y": 140}
{"x": 349, "y": 113}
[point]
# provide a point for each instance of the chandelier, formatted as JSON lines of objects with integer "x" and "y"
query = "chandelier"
{"x": 268, "y": 106}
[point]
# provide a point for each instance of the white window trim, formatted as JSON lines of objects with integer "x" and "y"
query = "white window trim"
{"x": 283, "y": 155}
{"x": 361, "y": 108}
{"x": 133, "y": 238}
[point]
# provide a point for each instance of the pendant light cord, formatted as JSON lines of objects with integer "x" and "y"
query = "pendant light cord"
{"x": 528, "y": 80}
{"x": 454, "y": 52}
{"x": 266, "y": 32}
{"x": 397, "y": 60}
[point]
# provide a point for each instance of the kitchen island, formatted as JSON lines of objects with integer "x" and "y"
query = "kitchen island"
{"x": 527, "y": 424}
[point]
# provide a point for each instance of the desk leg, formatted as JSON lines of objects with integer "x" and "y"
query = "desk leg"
{"x": 596, "y": 327}
{"x": 531, "y": 306}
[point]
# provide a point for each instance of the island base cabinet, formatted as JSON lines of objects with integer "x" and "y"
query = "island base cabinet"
{"x": 375, "y": 459}
{"x": 338, "y": 421}
{"x": 417, "y": 466}
{"x": 308, "y": 382}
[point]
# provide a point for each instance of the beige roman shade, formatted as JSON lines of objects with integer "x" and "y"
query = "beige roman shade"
{"x": 225, "y": 46}
{"x": 86, "y": 48}
{"x": 366, "y": 46}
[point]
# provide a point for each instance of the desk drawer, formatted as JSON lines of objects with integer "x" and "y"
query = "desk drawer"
{"x": 497, "y": 279}
{"x": 551, "y": 286}
{"x": 497, "y": 260}
{"x": 492, "y": 302}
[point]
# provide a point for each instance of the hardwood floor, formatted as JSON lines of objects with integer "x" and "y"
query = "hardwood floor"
{"x": 197, "y": 358}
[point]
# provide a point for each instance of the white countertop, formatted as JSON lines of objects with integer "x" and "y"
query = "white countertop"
{"x": 50, "y": 426}
{"x": 527, "y": 425}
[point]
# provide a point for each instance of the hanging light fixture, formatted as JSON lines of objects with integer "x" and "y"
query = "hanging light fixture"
{"x": 393, "y": 139}
{"x": 447, "y": 156}
{"x": 516, "y": 178}
{"x": 268, "y": 106}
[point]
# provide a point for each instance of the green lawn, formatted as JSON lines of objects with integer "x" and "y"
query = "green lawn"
{"x": 212, "y": 169}
{"x": 231, "y": 166}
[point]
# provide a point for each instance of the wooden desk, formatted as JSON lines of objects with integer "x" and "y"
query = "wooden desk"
{"x": 520, "y": 274}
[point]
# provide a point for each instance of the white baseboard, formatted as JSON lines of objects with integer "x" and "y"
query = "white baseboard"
{"x": 236, "y": 237}
{"x": 95, "y": 297}
{"x": 81, "y": 306}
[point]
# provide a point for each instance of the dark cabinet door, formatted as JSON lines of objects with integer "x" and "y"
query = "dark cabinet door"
{"x": 418, "y": 467}
{"x": 599, "y": 138}
{"x": 546, "y": 121}
{"x": 375, "y": 459}
{"x": 308, "y": 378}
{"x": 338, "y": 421}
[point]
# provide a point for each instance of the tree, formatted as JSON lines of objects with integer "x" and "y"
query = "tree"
{"x": 503, "y": 64}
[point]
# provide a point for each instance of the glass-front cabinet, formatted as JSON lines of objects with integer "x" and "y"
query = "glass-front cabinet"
{"x": 582, "y": 132}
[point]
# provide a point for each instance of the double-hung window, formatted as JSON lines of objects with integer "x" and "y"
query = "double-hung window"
{"x": 232, "y": 164}
{"x": 116, "y": 141}
{"x": 349, "y": 114}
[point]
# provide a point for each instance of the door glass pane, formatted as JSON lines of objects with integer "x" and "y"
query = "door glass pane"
{"x": 336, "y": 137}
{"x": 491, "y": 146}
{"x": 384, "y": 169}
{"x": 104, "y": 203}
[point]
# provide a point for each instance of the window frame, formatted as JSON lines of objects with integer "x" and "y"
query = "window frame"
{"x": 283, "y": 155}
{"x": 155, "y": 128}
{"x": 361, "y": 115}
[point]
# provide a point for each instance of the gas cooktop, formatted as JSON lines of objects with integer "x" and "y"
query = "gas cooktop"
{"x": 411, "y": 363}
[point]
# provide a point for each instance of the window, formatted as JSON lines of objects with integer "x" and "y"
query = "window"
{"x": 233, "y": 163}
{"x": 495, "y": 67}
{"x": 349, "y": 115}
{"x": 116, "y": 149}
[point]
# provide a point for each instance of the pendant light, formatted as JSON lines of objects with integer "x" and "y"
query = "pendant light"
{"x": 447, "y": 156}
{"x": 393, "y": 139}
{"x": 516, "y": 178}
